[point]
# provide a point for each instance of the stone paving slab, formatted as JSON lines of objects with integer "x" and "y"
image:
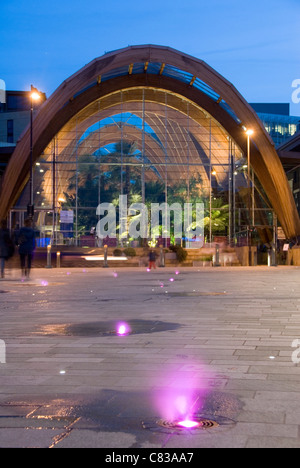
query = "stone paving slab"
{"x": 225, "y": 345}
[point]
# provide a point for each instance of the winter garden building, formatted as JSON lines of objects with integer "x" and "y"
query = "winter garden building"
{"x": 158, "y": 126}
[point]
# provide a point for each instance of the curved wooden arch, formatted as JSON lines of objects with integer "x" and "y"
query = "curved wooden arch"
{"x": 85, "y": 87}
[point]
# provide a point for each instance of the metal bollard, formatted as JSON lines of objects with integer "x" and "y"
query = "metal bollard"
{"x": 269, "y": 258}
{"x": 49, "y": 263}
{"x": 217, "y": 256}
{"x": 255, "y": 258}
{"x": 272, "y": 261}
{"x": 162, "y": 257}
{"x": 105, "y": 265}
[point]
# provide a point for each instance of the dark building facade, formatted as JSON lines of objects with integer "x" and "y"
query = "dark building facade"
{"x": 14, "y": 118}
{"x": 289, "y": 153}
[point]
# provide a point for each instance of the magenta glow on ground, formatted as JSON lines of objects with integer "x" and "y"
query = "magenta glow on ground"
{"x": 123, "y": 329}
{"x": 188, "y": 424}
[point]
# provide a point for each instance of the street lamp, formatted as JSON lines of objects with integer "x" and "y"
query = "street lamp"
{"x": 34, "y": 97}
{"x": 249, "y": 133}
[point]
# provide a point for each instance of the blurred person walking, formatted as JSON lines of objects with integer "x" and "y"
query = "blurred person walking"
{"x": 6, "y": 246}
{"x": 26, "y": 243}
{"x": 152, "y": 259}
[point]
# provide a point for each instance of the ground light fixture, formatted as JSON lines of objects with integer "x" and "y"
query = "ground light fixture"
{"x": 188, "y": 424}
{"x": 123, "y": 329}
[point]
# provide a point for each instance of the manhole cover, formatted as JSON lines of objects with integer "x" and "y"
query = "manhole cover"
{"x": 217, "y": 410}
{"x": 105, "y": 328}
{"x": 195, "y": 423}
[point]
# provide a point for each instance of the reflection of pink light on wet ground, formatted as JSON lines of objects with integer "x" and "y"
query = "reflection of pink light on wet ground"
{"x": 115, "y": 275}
{"x": 171, "y": 279}
{"x": 44, "y": 283}
{"x": 177, "y": 272}
{"x": 187, "y": 424}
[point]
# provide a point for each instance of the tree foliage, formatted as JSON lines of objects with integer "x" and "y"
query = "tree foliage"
{"x": 101, "y": 177}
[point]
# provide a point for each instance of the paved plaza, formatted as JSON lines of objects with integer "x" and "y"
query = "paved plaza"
{"x": 218, "y": 339}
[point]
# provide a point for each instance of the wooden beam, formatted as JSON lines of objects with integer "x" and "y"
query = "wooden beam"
{"x": 193, "y": 80}
{"x": 162, "y": 68}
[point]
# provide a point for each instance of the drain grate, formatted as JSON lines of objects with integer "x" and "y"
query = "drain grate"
{"x": 196, "y": 424}
{"x": 199, "y": 423}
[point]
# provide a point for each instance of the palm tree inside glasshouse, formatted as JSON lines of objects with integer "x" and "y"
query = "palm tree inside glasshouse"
{"x": 121, "y": 169}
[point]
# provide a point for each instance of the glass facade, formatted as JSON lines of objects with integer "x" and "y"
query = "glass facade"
{"x": 280, "y": 127}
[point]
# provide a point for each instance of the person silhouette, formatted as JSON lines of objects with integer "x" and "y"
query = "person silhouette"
{"x": 26, "y": 242}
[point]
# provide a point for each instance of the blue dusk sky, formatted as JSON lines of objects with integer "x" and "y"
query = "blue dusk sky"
{"x": 255, "y": 45}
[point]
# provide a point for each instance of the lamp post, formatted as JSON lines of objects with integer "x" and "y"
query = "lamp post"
{"x": 249, "y": 133}
{"x": 34, "y": 96}
{"x": 212, "y": 174}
